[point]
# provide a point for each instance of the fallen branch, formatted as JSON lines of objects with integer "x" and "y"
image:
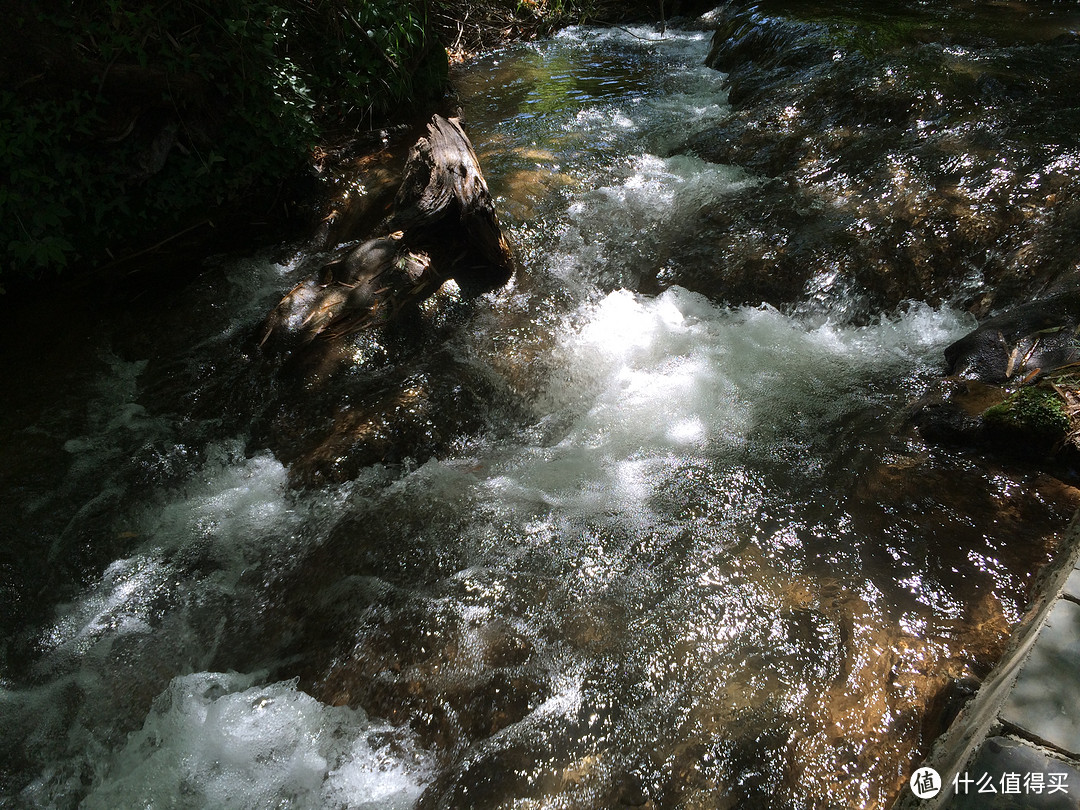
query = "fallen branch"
{"x": 156, "y": 246}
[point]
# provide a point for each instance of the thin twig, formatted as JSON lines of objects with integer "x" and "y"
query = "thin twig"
{"x": 152, "y": 248}
{"x": 371, "y": 41}
{"x": 638, "y": 36}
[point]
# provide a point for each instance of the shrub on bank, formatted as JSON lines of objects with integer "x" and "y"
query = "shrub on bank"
{"x": 123, "y": 120}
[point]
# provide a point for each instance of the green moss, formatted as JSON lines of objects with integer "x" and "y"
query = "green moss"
{"x": 1033, "y": 415}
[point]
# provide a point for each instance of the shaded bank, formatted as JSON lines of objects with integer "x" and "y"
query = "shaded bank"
{"x": 128, "y": 126}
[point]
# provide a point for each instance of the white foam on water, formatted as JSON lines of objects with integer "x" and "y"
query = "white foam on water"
{"x": 161, "y": 610}
{"x": 216, "y": 740}
{"x": 644, "y": 385}
{"x": 241, "y": 507}
{"x": 675, "y": 41}
{"x": 117, "y": 605}
{"x": 624, "y": 230}
{"x": 240, "y": 513}
{"x": 652, "y": 382}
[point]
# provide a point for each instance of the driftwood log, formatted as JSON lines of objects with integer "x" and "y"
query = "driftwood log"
{"x": 442, "y": 226}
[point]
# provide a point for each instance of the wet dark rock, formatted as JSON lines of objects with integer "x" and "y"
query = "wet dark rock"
{"x": 1013, "y": 385}
{"x": 943, "y": 707}
{"x": 952, "y": 412}
{"x": 485, "y": 782}
{"x": 865, "y": 118}
{"x": 751, "y": 40}
{"x": 1037, "y": 337}
{"x": 407, "y": 413}
{"x": 769, "y": 244}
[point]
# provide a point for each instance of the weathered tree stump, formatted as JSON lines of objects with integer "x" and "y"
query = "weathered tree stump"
{"x": 443, "y": 226}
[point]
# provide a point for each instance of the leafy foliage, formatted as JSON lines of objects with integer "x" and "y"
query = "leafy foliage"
{"x": 126, "y": 119}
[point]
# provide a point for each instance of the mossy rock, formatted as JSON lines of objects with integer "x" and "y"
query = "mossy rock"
{"x": 1033, "y": 418}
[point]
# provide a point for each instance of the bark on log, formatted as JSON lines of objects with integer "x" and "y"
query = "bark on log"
{"x": 443, "y": 226}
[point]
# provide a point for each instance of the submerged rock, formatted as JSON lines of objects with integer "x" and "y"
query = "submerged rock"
{"x": 406, "y": 415}
{"x": 879, "y": 187}
{"x": 951, "y": 413}
{"x": 367, "y": 331}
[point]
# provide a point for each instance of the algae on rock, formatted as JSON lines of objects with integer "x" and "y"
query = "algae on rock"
{"x": 1033, "y": 415}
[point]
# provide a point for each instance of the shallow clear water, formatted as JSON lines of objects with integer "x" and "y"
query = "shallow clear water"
{"x": 682, "y": 552}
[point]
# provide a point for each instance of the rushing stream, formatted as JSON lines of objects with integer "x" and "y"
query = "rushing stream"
{"x": 624, "y": 539}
